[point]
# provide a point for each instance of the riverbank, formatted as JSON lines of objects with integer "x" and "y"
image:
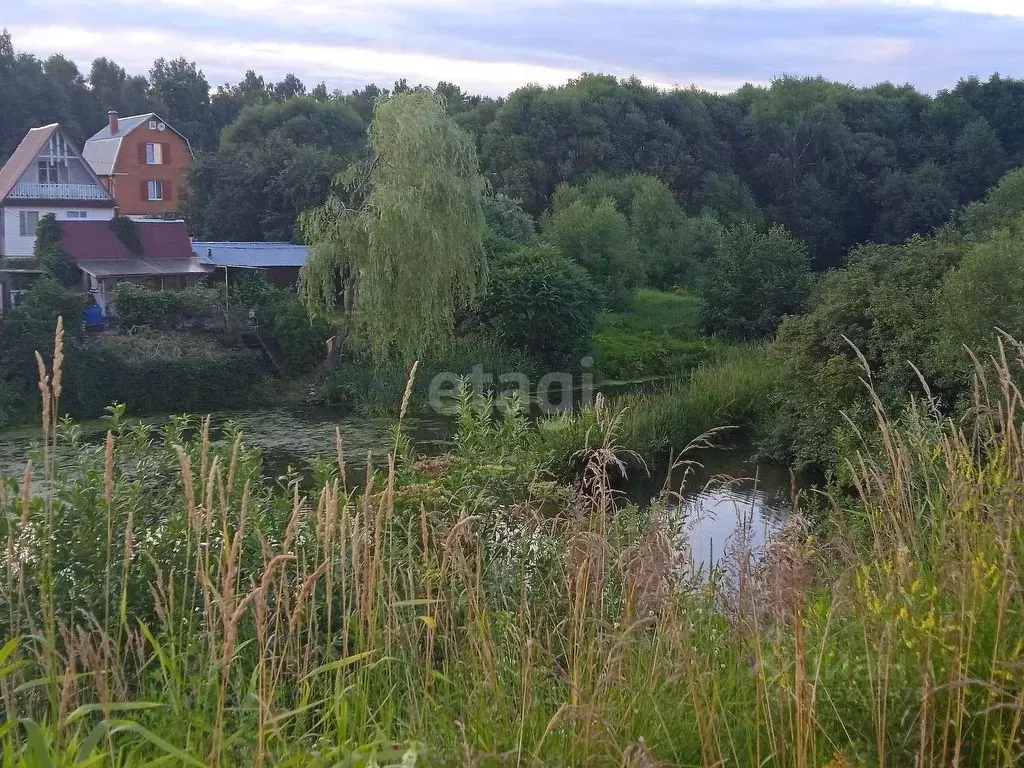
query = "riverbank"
{"x": 464, "y": 610}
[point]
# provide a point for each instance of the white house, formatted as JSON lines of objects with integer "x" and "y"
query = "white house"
{"x": 46, "y": 174}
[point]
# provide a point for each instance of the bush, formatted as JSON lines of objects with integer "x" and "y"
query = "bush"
{"x": 139, "y": 306}
{"x": 299, "y": 336}
{"x": 161, "y": 372}
{"x": 540, "y": 301}
{"x": 29, "y": 328}
{"x": 753, "y": 281}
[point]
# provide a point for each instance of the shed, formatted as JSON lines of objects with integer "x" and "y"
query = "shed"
{"x": 281, "y": 261}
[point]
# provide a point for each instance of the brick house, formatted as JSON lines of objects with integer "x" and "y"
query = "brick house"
{"x": 142, "y": 161}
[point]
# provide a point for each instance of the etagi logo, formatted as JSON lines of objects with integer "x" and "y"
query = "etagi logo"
{"x": 554, "y": 393}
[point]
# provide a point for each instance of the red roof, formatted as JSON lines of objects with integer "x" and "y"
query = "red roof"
{"x": 23, "y": 156}
{"x": 96, "y": 240}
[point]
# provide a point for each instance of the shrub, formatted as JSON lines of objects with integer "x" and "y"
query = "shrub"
{"x": 51, "y": 255}
{"x": 299, "y": 336}
{"x": 161, "y": 372}
{"x": 540, "y": 301}
{"x": 754, "y": 280}
{"x": 139, "y": 306}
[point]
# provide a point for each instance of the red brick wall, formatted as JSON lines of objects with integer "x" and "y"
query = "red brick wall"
{"x": 131, "y": 172}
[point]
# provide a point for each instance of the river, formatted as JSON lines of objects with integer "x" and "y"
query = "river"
{"x": 723, "y": 495}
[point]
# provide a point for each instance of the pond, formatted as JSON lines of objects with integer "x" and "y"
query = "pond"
{"x": 719, "y": 497}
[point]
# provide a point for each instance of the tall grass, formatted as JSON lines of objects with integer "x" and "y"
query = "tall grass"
{"x": 733, "y": 391}
{"x": 164, "y": 605}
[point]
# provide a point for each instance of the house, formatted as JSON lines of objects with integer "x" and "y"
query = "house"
{"x": 46, "y": 174}
{"x": 164, "y": 260}
{"x": 142, "y": 161}
{"x": 280, "y": 261}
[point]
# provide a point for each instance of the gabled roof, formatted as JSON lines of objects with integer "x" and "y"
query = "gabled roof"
{"x": 252, "y": 255}
{"x": 96, "y": 240}
{"x": 102, "y": 148}
{"x": 23, "y": 156}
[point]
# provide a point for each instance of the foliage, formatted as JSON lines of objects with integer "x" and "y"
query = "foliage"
{"x": 883, "y": 306}
{"x": 51, "y": 255}
{"x": 598, "y": 239}
{"x": 507, "y": 218}
{"x": 1003, "y": 203}
{"x": 979, "y": 300}
{"x": 671, "y": 245}
{"x": 754, "y": 280}
{"x": 139, "y": 306}
{"x": 538, "y": 300}
{"x": 421, "y": 226}
{"x": 454, "y": 604}
{"x": 161, "y": 372}
{"x": 375, "y": 390}
{"x": 298, "y": 335}
{"x": 128, "y": 233}
{"x": 28, "y": 328}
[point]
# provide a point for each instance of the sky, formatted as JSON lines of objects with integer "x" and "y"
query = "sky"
{"x": 495, "y": 46}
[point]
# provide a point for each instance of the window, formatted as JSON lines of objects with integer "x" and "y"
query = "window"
{"x": 152, "y": 125}
{"x": 76, "y": 214}
{"x": 48, "y": 172}
{"x": 154, "y": 190}
{"x": 27, "y": 223}
{"x": 154, "y": 154}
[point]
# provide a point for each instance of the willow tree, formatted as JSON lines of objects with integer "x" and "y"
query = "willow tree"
{"x": 410, "y": 231}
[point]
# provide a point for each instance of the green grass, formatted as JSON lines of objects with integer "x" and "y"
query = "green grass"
{"x": 735, "y": 390}
{"x": 659, "y": 337}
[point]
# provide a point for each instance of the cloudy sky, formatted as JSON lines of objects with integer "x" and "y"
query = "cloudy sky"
{"x": 494, "y": 46}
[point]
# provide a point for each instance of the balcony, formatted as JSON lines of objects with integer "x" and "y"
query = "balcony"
{"x": 35, "y": 191}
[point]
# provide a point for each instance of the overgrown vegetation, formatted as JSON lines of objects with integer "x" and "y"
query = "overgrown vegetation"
{"x": 461, "y": 609}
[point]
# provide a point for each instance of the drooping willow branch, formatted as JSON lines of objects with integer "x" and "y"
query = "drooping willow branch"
{"x": 415, "y": 244}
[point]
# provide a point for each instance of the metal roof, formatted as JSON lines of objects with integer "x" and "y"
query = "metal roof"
{"x": 101, "y": 154}
{"x": 102, "y": 148}
{"x": 125, "y": 125}
{"x": 100, "y": 268}
{"x": 251, "y": 255}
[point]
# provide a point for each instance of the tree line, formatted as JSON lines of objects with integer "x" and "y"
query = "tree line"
{"x": 835, "y": 164}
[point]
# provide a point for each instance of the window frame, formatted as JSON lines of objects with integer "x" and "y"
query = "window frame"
{"x": 154, "y": 153}
{"x": 157, "y": 186}
{"x": 23, "y": 217}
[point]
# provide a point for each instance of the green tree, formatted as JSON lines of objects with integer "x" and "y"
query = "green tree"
{"x": 181, "y": 88}
{"x": 754, "y": 280}
{"x": 598, "y": 239}
{"x": 978, "y": 160}
{"x": 506, "y": 218}
{"x": 980, "y": 298}
{"x": 540, "y": 301}
{"x": 416, "y": 244}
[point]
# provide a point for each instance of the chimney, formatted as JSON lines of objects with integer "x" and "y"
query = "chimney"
{"x": 112, "y": 120}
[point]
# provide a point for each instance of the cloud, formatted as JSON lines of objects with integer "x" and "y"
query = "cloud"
{"x": 494, "y": 46}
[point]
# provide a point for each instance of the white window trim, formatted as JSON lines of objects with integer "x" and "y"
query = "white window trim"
{"x": 154, "y": 154}
{"x": 23, "y": 217}
{"x": 154, "y": 190}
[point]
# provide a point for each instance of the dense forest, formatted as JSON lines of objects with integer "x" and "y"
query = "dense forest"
{"x": 835, "y": 164}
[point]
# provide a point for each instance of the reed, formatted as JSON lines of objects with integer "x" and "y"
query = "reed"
{"x": 468, "y": 611}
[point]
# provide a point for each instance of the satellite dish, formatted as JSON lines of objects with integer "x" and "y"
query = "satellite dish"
{"x": 161, "y": 126}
